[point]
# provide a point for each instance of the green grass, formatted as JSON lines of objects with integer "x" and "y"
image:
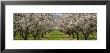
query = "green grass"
{"x": 57, "y": 35}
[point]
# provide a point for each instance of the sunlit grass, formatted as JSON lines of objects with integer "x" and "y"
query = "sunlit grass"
{"x": 57, "y": 35}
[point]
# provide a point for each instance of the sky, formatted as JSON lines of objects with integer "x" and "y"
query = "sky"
{"x": 57, "y": 14}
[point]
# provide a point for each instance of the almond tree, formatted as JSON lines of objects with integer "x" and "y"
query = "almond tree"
{"x": 35, "y": 24}
{"x": 22, "y": 24}
{"x": 75, "y": 23}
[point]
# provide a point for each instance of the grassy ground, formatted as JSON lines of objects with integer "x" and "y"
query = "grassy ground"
{"x": 57, "y": 35}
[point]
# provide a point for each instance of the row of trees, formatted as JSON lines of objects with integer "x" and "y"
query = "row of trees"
{"x": 76, "y": 23}
{"x": 38, "y": 24}
{"x": 35, "y": 24}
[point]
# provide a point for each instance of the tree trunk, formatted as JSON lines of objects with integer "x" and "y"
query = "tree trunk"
{"x": 77, "y": 36}
{"x": 38, "y": 37}
{"x": 21, "y": 33}
{"x": 42, "y": 35}
{"x": 34, "y": 36}
{"x": 86, "y": 36}
{"x": 73, "y": 36}
{"x": 25, "y": 36}
{"x": 92, "y": 34}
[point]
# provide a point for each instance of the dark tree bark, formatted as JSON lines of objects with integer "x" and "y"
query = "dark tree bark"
{"x": 86, "y": 36}
{"x": 25, "y": 35}
{"x": 38, "y": 37}
{"x": 77, "y": 34}
{"x": 42, "y": 35}
{"x": 73, "y": 36}
{"x": 34, "y": 36}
